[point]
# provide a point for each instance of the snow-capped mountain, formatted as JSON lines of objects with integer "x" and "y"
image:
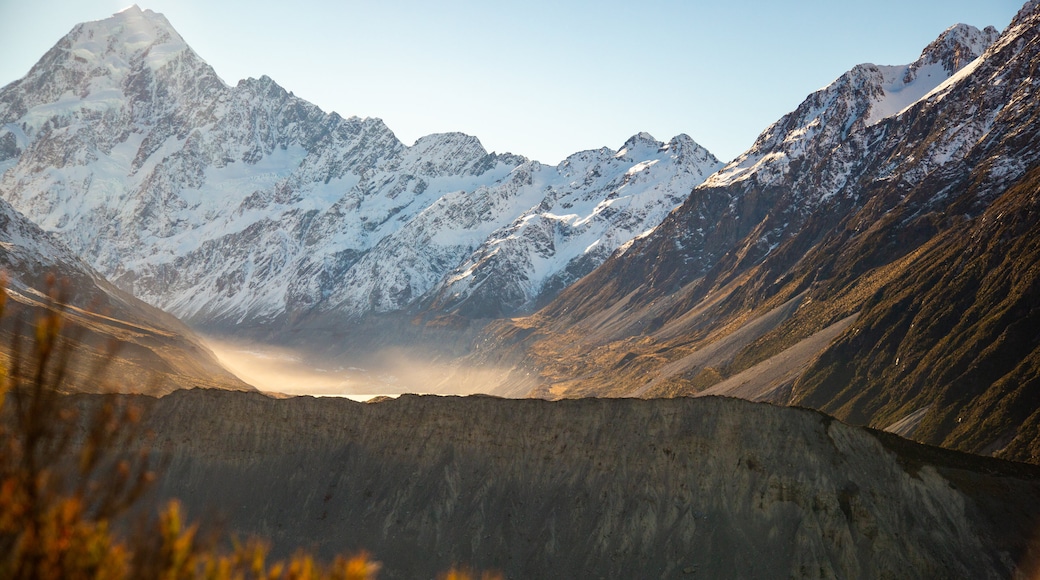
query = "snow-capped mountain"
{"x": 592, "y": 204}
{"x": 861, "y": 97}
{"x": 204, "y": 199}
{"x": 244, "y": 205}
{"x": 870, "y": 257}
{"x": 534, "y": 232}
{"x": 811, "y": 158}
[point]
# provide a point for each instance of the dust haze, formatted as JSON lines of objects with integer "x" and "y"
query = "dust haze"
{"x": 391, "y": 372}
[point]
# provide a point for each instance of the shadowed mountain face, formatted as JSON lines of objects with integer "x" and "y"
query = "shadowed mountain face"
{"x": 955, "y": 335}
{"x": 591, "y": 488}
{"x": 154, "y": 352}
{"x": 878, "y": 267}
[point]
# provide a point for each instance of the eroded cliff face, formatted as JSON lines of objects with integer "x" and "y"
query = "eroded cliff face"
{"x": 595, "y": 487}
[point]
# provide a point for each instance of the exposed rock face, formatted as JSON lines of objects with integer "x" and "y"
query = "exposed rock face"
{"x": 596, "y": 488}
{"x": 245, "y": 206}
{"x": 866, "y": 258}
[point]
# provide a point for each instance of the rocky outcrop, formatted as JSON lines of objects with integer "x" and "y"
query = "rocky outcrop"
{"x": 595, "y": 488}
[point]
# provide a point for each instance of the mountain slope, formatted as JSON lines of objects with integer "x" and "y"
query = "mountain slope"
{"x": 247, "y": 207}
{"x": 154, "y": 353}
{"x": 811, "y": 159}
{"x": 954, "y": 334}
{"x": 766, "y": 281}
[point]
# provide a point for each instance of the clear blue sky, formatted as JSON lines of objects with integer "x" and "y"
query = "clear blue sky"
{"x": 538, "y": 78}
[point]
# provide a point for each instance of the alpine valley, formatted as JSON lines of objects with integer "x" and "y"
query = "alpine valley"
{"x": 246, "y": 211}
{"x": 832, "y": 264}
{"x": 874, "y": 256}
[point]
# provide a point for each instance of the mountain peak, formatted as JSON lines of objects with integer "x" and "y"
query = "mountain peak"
{"x": 1031, "y": 8}
{"x": 862, "y": 96}
{"x": 641, "y": 138}
{"x": 956, "y": 46}
{"x": 138, "y": 21}
{"x": 458, "y": 144}
{"x": 637, "y": 144}
{"x": 135, "y": 12}
{"x": 123, "y": 36}
{"x": 99, "y": 56}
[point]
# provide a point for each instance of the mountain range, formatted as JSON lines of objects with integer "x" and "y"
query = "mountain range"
{"x": 872, "y": 255}
{"x": 245, "y": 206}
{"x": 872, "y": 260}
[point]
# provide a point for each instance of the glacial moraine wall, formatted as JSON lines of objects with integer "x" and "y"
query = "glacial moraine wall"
{"x": 594, "y": 488}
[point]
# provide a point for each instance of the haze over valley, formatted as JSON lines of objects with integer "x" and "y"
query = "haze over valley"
{"x": 391, "y": 372}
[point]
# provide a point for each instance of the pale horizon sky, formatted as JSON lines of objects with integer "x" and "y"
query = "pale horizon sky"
{"x": 536, "y": 78}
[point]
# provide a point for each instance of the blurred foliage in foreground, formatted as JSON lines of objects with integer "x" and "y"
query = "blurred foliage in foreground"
{"x": 69, "y": 472}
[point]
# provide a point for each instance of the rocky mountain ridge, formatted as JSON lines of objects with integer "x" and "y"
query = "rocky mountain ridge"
{"x": 246, "y": 206}
{"x": 783, "y": 275}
